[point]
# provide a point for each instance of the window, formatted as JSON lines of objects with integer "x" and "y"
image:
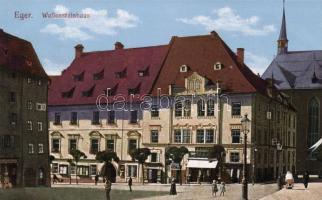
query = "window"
{"x": 178, "y": 109}
{"x": 183, "y": 68}
{"x": 134, "y": 117}
{"x": 79, "y": 77}
{"x": 96, "y": 118}
{"x": 39, "y": 125}
{"x": 182, "y": 136}
{"x": 210, "y": 107}
{"x": 13, "y": 119}
{"x": 39, "y": 82}
{"x": 132, "y": 171}
{"x": 57, "y": 118}
{"x": 154, "y": 157}
{"x": 29, "y": 105}
{"x": 55, "y": 145}
{"x": 73, "y": 118}
{"x": 7, "y": 141}
{"x": 111, "y": 117}
{"x": 54, "y": 168}
{"x": 234, "y": 156}
{"x": 110, "y": 145}
{"x": 132, "y": 145}
{"x": 205, "y": 136}
{"x": 40, "y": 148}
{"x": 12, "y": 97}
{"x": 82, "y": 170}
{"x": 93, "y": 170}
{"x": 63, "y": 169}
{"x": 94, "y": 146}
{"x": 235, "y": 135}
{"x": 30, "y": 148}
{"x": 41, "y": 106}
{"x": 313, "y": 128}
{"x": 72, "y": 145}
{"x": 99, "y": 75}
{"x": 72, "y": 169}
{"x": 29, "y": 125}
{"x": 187, "y": 108}
{"x": 154, "y": 136}
{"x": 218, "y": 66}
{"x": 154, "y": 111}
{"x": 201, "y": 108}
{"x": 29, "y": 80}
{"x": 236, "y": 108}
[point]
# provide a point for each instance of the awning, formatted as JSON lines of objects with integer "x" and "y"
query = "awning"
{"x": 202, "y": 164}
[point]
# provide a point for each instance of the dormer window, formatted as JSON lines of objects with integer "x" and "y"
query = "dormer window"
{"x": 121, "y": 74}
{"x": 135, "y": 90}
{"x": 183, "y": 68}
{"x": 99, "y": 75}
{"x": 79, "y": 77}
{"x": 218, "y": 66}
{"x": 142, "y": 73}
{"x": 69, "y": 93}
{"x": 89, "y": 92}
{"x": 111, "y": 91}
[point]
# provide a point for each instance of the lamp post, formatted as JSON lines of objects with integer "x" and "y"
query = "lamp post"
{"x": 245, "y": 122}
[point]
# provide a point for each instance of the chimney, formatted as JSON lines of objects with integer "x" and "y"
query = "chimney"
{"x": 118, "y": 45}
{"x": 240, "y": 55}
{"x": 78, "y": 50}
{"x": 213, "y": 33}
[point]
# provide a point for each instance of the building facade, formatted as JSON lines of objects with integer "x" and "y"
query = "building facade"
{"x": 95, "y": 106}
{"x": 24, "y": 132}
{"x": 298, "y": 74}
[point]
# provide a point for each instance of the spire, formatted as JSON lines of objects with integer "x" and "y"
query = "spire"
{"x": 282, "y": 41}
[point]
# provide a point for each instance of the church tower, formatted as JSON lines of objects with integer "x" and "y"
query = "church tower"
{"x": 282, "y": 42}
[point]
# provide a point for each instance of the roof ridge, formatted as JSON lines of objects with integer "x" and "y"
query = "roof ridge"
{"x": 125, "y": 49}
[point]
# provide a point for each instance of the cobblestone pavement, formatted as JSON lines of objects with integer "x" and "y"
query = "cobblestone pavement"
{"x": 189, "y": 192}
{"x": 313, "y": 192}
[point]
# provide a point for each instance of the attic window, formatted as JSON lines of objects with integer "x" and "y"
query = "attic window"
{"x": 88, "y": 93}
{"x": 183, "y": 68}
{"x": 79, "y": 77}
{"x": 135, "y": 90}
{"x": 142, "y": 73}
{"x": 121, "y": 74}
{"x": 218, "y": 66}
{"x": 68, "y": 94}
{"x": 111, "y": 91}
{"x": 99, "y": 75}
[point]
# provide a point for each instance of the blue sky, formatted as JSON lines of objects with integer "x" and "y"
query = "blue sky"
{"x": 251, "y": 24}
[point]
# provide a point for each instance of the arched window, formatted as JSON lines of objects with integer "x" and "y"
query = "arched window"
{"x": 178, "y": 109}
{"x": 313, "y": 129}
{"x": 210, "y": 107}
{"x": 187, "y": 108}
{"x": 201, "y": 107}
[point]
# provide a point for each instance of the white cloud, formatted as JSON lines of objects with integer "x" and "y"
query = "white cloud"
{"x": 53, "y": 68}
{"x": 257, "y": 63}
{"x": 227, "y": 19}
{"x": 99, "y": 22}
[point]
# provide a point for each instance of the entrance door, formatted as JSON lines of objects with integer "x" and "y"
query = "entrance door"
{"x": 152, "y": 175}
{"x": 30, "y": 177}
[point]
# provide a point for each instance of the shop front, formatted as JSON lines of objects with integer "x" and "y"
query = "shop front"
{"x": 8, "y": 172}
{"x": 201, "y": 170}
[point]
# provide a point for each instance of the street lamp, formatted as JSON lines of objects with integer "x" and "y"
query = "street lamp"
{"x": 245, "y": 122}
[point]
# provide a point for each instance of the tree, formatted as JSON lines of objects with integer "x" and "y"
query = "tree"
{"x": 71, "y": 163}
{"x": 218, "y": 152}
{"x": 51, "y": 158}
{"x": 77, "y": 156}
{"x": 140, "y": 155}
{"x": 176, "y": 155}
{"x": 107, "y": 157}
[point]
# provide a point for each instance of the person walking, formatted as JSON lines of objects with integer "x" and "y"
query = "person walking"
{"x": 173, "y": 190}
{"x": 306, "y": 179}
{"x": 280, "y": 182}
{"x": 96, "y": 179}
{"x": 222, "y": 189}
{"x": 214, "y": 188}
{"x": 108, "y": 187}
{"x": 130, "y": 183}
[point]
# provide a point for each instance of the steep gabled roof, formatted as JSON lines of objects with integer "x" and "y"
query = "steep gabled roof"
{"x": 127, "y": 62}
{"x": 19, "y": 55}
{"x": 200, "y": 54}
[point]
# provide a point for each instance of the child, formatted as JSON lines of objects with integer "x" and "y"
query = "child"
{"x": 222, "y": 189}
{"x": 214, "y": 187}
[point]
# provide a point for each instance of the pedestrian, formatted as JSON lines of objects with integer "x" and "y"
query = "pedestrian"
{"x": 280, "y": 182}
{"x": 130, "y": 183}
{"x": 96, "y": 179}
{"x": 199, "y": 180}
{"x": 222, "y": 189}
{"x": 306, "y": 179}
{"x": 173, "y": 190}
{"x": 108, "y": 187}
{"x": 214, "y": 187}
{"x": 55, "y": 179}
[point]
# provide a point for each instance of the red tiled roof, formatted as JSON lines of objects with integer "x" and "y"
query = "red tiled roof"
{"x": 200, "y": 53}
{"x": 18, "y": 54}
{"x": 113, "y": 61}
